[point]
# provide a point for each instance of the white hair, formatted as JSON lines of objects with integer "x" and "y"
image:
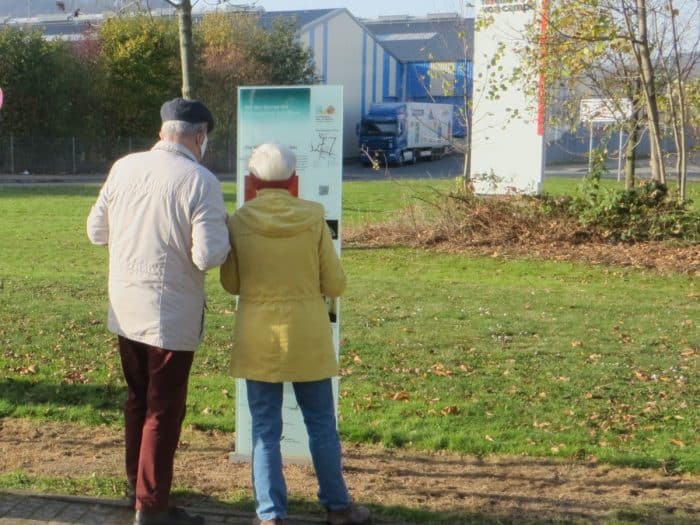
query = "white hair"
{"x": 180, "y": 128}
{"x": 272, "y": 162}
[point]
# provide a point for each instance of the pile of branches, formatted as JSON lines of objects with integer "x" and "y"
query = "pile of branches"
{"x": 467, "y": 220}
{"x": 519, "y": 225}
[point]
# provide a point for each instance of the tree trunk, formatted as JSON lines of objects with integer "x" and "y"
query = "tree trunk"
{"x": 643, "y": 55}
{"x": 631, "y": 153}
{"x": 682, "y": 111}
{"x": 186, "y": 47}
{"x": 467, "y": 168}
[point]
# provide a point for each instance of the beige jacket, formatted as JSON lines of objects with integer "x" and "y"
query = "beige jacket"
{"x": 162, "y": 215}
{"x": 282, "y": 263}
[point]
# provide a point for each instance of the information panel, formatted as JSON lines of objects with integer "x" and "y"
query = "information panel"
{"x": 308, "y": 119}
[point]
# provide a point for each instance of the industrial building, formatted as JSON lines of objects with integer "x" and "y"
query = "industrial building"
{"x": 435, "y": 58}
{"x": 386, "y": 60}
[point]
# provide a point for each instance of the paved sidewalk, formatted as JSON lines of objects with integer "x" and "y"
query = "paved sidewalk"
{"x": 23, "y": 508}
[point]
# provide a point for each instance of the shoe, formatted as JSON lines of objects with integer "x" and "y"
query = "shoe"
{"x": 276, "y": 521}
{"x": 172, "y": 516}
{"x": 131, "y": 496}
{"x": 350, "y": 515}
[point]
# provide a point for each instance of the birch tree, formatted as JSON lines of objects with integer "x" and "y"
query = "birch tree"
{"x": 617, "y": 49}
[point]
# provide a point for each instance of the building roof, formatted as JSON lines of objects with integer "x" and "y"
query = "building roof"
{"x": 65, "y": 26}
{"x": 438, "y": 37}
{"x": 301, "y": 17}
{"x": 52, "y": 26}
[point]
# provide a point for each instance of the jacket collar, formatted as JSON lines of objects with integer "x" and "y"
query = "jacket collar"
{"x": 174, "y": 147}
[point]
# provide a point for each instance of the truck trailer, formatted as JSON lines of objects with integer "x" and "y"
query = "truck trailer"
{"x": 401, "y": 132}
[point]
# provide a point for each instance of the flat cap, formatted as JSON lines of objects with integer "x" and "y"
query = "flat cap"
{"x": 192, "y": 111}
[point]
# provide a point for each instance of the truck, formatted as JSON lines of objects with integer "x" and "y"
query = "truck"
{"x": 403, "y": 132}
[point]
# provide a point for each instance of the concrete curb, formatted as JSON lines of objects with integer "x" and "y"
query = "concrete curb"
{"x": 19, "y": 507}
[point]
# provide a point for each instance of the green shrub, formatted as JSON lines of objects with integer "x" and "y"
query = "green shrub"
{"x": 646, "y": 212}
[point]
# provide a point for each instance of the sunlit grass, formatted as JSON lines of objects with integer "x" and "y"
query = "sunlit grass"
{"x": 439, "y": 352}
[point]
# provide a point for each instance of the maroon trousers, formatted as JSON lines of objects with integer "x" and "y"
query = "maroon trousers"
{"x": 157, "y": 389}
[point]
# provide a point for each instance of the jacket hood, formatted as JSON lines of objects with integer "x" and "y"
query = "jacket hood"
{"x": 276, "y": 213}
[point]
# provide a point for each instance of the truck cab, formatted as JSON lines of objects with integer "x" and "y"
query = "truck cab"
{"x": 383, "y": 134}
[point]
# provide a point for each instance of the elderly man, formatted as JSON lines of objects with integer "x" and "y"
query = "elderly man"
{"x": 162, "y": 215}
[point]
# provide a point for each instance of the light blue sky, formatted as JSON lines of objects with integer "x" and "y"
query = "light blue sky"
{"x": 370, "y": 8}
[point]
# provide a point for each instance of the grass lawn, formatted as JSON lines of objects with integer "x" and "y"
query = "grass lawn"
{"x": 476, "y": 355}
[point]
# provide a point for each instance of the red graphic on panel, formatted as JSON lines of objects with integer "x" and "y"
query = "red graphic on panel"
{"x": 251, "y": 191}
{"x": 541, "y": 81}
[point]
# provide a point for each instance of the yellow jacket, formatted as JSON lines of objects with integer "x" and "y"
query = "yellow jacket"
{"x": 281, "y": 264}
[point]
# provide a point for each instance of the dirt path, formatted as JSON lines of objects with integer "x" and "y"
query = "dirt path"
{"x": 508, "y": 488}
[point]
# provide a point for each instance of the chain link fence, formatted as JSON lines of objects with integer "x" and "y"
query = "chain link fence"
{"x": 86, "y": 156}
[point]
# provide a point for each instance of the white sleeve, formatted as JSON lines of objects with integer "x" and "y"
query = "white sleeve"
{"x": 210, "y": 244}
{"x": 98, "y": 219}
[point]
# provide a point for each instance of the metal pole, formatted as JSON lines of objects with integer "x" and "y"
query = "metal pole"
{"x": 74, "y": 170}
{"x": 590, "y": 147}
{"x": 12, "y": 154}
{"x": 229, "y": 153}
{"x": 619, "y": 156}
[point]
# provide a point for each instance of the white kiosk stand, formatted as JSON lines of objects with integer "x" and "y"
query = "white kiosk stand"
{"x": 308, "y": 119}
{"x": 507, "y": 135}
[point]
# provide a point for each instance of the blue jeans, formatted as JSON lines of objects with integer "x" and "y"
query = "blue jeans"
{"x": 315, "y": 398}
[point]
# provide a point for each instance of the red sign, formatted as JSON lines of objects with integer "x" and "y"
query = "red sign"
{"x": 1, "y": 97}
{"x": 251, "y": 192}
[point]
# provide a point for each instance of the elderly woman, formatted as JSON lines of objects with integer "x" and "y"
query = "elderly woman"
{"x": 282, "y": 262}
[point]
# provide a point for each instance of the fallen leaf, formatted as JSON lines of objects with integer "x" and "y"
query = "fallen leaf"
{"x": 399, "y": 396}
{"x": 641, "y": 376}
{"x": 450, "y": 410}
{"x": 439, "y": 370}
